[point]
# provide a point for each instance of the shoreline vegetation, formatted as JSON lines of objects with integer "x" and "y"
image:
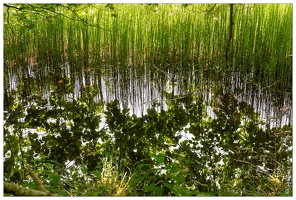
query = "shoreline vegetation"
{"x": 97, "y": 97}
{"x": 92, "y": 37}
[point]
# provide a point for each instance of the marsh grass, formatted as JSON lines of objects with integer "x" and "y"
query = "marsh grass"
{"x": 119, "y": 48}
{"x": 178, "y": 44}
{"x": 164, "y": 34}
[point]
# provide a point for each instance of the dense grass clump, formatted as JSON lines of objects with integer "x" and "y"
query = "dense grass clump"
{"x": 167, "y": 35}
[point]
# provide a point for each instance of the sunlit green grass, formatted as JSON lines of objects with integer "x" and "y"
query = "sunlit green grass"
{"x": 133, "y": 34}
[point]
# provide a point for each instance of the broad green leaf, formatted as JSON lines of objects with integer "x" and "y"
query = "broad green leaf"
{"x": 140, "y": 166}
{"x": 170, "y": 186}
{"x": 160, "y": 159}
{"x": 179, "y": 178}
{"x": 65, "y": 193}
{"x": 30, "y": 185}
{"x": 55, "y": 178}
{"x": 49, "y": 165}
{"x": 157, "y": 190}
{"x": 136, "y": 180}
{"x": 174, "y": 168}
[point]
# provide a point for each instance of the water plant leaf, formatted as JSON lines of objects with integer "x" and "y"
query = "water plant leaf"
{"x": 179, "y": 178}
{"x": 69, "y": 51}
{"x": 30, "y": 185}
{"x": 160, "y": 159}
{"x": 174, "y": 168}
{"x": 55, "y": 178}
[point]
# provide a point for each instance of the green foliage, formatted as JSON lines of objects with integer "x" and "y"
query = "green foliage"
{"x": 120, "y": 43}
{"x": 158, "y": 191}
{"x": 170, "y": 36}
{"x": 142, "y": 144}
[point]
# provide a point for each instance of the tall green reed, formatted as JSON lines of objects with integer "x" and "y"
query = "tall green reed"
{"x": 97, "y": 39}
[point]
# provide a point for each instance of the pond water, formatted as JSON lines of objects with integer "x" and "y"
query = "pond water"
{"x": 149, "y": 89}
{"x": 140, "y": 92}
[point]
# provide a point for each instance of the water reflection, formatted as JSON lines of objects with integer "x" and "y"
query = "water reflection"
{"x": 141, "y": 88}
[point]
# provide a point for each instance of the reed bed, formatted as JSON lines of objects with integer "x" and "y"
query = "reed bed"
{"x": 184, "y": 40}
